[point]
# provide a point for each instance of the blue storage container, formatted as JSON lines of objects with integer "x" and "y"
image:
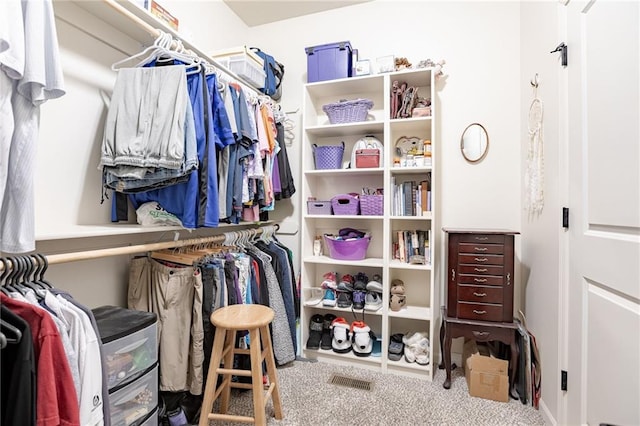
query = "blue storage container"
{"x": 329, "y": 61}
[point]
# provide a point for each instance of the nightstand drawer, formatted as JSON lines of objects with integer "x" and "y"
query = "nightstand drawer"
{"x": 480, "y": 248}
{"x": 481, "y": 270}
{"x": 481, "y": 238}
{"x": 480, "y": 279}
{"x": 481, "y": 259}
{"x": 480, "y": 311}
{"x": 479, "y": 294}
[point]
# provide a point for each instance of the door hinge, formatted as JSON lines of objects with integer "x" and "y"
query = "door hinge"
{"x": 563, "y": 380}
{"x": 565, "y": 217}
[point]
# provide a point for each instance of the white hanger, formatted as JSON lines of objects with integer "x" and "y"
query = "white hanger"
{"x": 161, "y": 40}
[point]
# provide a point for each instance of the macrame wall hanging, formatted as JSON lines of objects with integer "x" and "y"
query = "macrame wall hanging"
{"x": 534, "y": 176}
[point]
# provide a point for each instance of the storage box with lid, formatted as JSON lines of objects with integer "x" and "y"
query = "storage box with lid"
{"x": 243, "y": 62}
{"x": 329, "y": 61}
{"x": 131, "y": 403}
{"x": 129, "y": 342}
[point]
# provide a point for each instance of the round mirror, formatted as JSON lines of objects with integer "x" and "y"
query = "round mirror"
{"x": 474, "y": 143}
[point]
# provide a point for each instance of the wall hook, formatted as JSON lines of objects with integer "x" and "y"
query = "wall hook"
{"x": 534, "y": 81}
{"x": 562, "y": 48}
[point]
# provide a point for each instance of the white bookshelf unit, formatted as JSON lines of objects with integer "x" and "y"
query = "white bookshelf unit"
{"x": 421, "y": 312}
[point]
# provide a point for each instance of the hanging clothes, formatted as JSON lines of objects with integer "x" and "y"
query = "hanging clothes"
{"x": 30, "y": 75}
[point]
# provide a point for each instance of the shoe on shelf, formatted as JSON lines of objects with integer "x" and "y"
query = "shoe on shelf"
{"x": 329, "y": 298}
{"x": 315, "y": 332}
{"x": 325, "y": 341}
{"x": 330, "y": 280}
{"x": 397, "y": 287}
{"x": 397, "y": 302}
{"x": 359, "y": 299}
{"x": 372, "y": 301}
{"x": 416, "y": 347}
{"x": 340, "y": 336}
{"x": 346, "y": 283}
{"x": 313, "y": 296}
{"x": 396, "y": 347}
{"x": 361, "y": 280}
{"x": 362, "y": 338}
{"x": 375, "y": 284}
{"x": 344, "y": 299}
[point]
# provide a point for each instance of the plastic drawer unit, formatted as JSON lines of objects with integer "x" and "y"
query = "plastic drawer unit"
{"x": 329, "y": 61}
{"x": 129, "y": 342}
{"x": 151, "y": 419}
{"x": 132, "y": 403}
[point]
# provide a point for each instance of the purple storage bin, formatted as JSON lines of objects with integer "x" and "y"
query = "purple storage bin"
{"x": 345, "y": 204}
{"x": 351, "y": 249}
{"x": 328, "y": 157}
{"x": 319, "y": 207}
{"x": 329, "y": 61}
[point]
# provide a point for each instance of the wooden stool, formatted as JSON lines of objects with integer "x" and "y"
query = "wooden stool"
{"x": 228, "y": 321}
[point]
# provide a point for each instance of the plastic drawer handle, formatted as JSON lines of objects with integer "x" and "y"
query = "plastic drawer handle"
{"x": 479, "y": 312}
{"x": 479, "y": 294}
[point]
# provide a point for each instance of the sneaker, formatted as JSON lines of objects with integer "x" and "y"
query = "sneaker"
{"x": 375, "y": 284}
{"x": 329, "y": 280}
{"x": 359, "y": 299}
{"x": 372, "y": 301}
{"x": 344, "y": 299}
{"x": 361, "y": 281}
{"x": 329, "y": 298}
{"x": 362, "y": 338}
{"x": 416, "y": 347}
{"x": 315, "y": 332}
{"x": 325, "y": 341}
{"x": 340, "y": 336}
{"x": 396, "y": 347}
{"x": 346, "y": 283}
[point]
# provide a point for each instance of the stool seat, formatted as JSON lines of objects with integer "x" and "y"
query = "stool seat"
{"x": 228, "y": 321}
{"x": 242, "y": 317}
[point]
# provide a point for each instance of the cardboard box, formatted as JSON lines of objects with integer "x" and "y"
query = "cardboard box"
{"x": 487, "y": 377}
{"x": 161, "y": 13}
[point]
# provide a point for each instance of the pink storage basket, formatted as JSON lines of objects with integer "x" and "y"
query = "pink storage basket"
{"x": 328, "y": 157}
{"x": 371, "y": 205}
{"x": 345, "y": 204}
{"x": 351, "y": 249}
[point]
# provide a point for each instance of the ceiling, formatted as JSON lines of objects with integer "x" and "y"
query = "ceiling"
{"x": 258, "y": 12}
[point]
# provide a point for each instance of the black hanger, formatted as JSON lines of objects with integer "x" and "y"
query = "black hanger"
{"x": 14, "y": 334}
{"x": 5, "y": 272}
{"x": 11, "y": 278}
{"x": 43, "y": 264}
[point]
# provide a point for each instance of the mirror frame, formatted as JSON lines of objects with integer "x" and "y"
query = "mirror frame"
{"x": 486, "y": 148}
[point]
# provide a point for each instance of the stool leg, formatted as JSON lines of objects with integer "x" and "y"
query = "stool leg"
{"x": 212, "y": 377}
{"x": 228, "y": 364}
{"x": 256, "y": 377}
{"x": 271, "y": 372}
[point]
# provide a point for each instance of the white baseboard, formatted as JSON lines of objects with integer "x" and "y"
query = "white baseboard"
{"x": 546, "y": 414}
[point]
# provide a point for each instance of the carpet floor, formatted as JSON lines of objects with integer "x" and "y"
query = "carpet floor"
{"x": 309, "y": 399}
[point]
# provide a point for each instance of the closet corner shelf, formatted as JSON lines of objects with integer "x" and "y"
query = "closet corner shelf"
{"x": 371, "y": 261}
{"x": 412, "y": 312}
{"x": 346, "y": 129}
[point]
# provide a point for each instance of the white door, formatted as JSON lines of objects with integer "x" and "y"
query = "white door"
{"x": 603, "y": 339}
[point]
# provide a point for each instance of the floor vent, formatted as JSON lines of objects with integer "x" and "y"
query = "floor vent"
{"x": 350, "y": 382}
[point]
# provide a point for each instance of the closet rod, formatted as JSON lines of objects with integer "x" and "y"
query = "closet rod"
{"x": 154, "y": 32}
{"x": 140, "y": 248}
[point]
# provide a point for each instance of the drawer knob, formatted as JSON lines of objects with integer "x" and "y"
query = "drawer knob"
{"x": 480, "y": 269}
{"x": 479, "y": 294}
{"x": 479, "y": 312}
{"x": 481, "y": 259}
{"x": 480, "y": 333}
{"x": 482, "y": 238}
{"x": 480, "y": 280}
{"x": 480, "y": 248}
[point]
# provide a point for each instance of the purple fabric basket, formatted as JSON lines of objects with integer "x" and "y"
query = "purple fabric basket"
{"x": 328, "y": 157}
{"x": 352, "y": 249}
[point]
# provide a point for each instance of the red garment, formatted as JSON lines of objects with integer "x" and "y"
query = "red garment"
{"x": 56, "y": 398}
